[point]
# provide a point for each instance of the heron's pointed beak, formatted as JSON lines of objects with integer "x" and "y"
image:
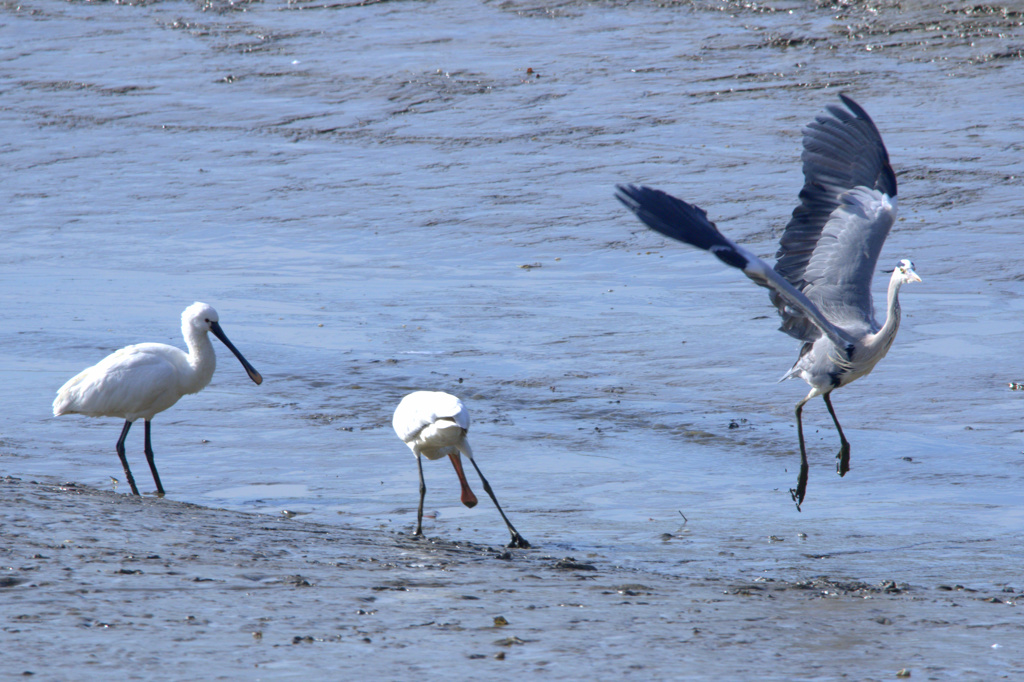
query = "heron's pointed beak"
{"x": 249, "y": 369}
{"x": 913, "y": 277}
{"x": 468, "y": 498}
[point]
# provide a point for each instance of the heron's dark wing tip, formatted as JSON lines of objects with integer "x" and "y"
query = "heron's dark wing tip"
{"x": 679, "y": 220}
{"x": 852, "y": 105}
{"x": 628, "y": 196}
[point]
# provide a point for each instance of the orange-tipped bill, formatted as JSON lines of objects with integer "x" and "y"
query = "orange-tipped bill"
{"x": 468, "y": 498}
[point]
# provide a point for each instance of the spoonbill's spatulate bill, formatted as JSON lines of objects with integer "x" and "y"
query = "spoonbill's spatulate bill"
{"x": 434, "y": 424}
{"x": 821, "y": 282}
{"x": 140, "y": 381}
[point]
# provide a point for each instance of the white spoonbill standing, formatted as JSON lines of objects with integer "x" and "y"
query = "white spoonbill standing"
{"x": 140, "y": 381}
{"x": 821, "y": 283}
{"x": 434, "y": 424}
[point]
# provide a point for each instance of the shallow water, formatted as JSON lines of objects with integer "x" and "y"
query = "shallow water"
{"x": 357, "y": 189}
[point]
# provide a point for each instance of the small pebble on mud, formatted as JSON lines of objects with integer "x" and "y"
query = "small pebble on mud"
{"x": 509, "y": 641}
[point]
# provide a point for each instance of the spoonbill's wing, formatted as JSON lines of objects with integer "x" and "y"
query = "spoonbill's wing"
{"x": 133, "y": 381}
{"x": 422, "y": 408}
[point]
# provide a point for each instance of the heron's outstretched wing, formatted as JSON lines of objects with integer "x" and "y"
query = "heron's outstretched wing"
{"x": 829, "y": 250}
{"x": 687, "y": 223}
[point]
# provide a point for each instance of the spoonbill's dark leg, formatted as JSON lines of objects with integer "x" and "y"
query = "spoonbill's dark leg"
{"x": 423, "y": 494}
{"x": 517, "y": 539}
{"x": 801, "y": 482}
{"x": 124, "y": 460}
{"x": 844, "y": 450}
{"x": 152, "y": 464}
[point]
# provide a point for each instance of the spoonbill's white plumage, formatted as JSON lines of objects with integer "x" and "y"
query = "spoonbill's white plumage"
{"x": 434, "y": 425}
{"x": 821, "y": 282}
{"x": 140, "y": 381}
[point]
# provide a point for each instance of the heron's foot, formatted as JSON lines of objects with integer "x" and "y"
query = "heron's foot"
{"x": 800, "y": 491}
{"x": 418, "y": 534}
{"x": 843, "y": 465}
{"x": 797, "y": 495}
{"x": 518, "y": 542}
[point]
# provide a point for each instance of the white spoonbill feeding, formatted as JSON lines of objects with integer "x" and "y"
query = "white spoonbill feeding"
{"x": 434, "y": 424}
{"x": 821, "y": 282}
{"x": 140, "y": 381}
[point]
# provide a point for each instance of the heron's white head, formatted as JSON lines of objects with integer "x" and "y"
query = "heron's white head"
{"x": 905, "y": 272}
{"x": 199, "y": 316}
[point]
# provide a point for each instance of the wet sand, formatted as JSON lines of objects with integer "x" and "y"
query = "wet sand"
{"x": 380, "y": 197}
{"x": 96, "y": 583}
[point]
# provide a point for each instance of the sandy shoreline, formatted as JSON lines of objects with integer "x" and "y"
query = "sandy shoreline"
{"x": 95, "y": 583}
{"x": 381, "y": 197}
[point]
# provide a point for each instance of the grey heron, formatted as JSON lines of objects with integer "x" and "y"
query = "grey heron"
{"x": 821, "y": 282}
{"x": 140, "y": 381}
{"x": 434, "y": 425}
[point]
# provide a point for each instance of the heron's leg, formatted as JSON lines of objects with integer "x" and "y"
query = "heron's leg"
{"x": 423, "y": 494}
{"x": 801, "y": 482}
{"x": 844, "y": 449}
{"x": 152, "y": 464}
{"x": 124, "y": 460}
{"x": 517, "y": 539}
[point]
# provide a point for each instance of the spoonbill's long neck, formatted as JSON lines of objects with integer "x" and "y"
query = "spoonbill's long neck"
{"x": 884, "y": 338}
{"x": 201, "y": 359}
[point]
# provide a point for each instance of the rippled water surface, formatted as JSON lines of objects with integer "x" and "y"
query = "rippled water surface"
{"x": 391, "y": 196}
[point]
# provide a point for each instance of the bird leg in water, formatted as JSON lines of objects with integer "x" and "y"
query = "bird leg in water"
{"x": 844, "y": 450}
{"x": 152, "y": 464}
{"x": 468, "y": 498}
{"x": 124, "y": 460}
{"x": 801, "y": 482}
{"x": 518, "y": 540}
{"x": 423, "y": 493}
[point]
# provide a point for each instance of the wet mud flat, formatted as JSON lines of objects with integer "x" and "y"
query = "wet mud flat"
{"x": 367, "y": 116}
{"x": 95, "y": 583}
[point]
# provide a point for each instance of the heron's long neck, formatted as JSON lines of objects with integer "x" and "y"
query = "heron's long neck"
{"x": 201, "y": 359}
{"x": 884, "y": 338}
